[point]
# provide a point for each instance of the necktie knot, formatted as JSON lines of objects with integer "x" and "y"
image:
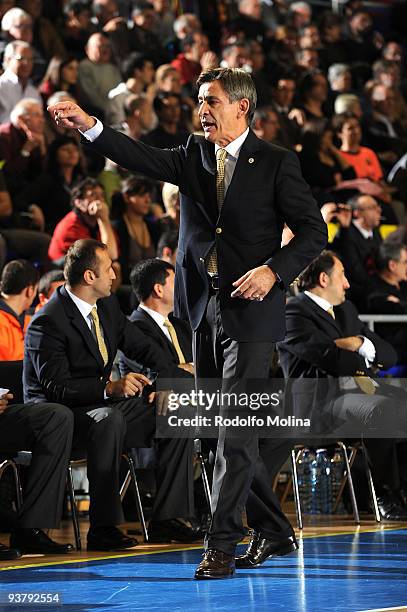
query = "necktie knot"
{"x": 330, "y": 311}
{"x": 221, "y": 157}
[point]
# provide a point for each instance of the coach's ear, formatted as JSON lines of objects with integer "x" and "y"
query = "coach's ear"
{"x": 243, "y": 107}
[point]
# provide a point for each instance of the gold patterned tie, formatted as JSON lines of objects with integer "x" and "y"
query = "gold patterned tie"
{"x": 99, "y": 337}
{"x": 365, "y": 383}
{"x": 174, "y": 338}
{"x": 211, "y": 261}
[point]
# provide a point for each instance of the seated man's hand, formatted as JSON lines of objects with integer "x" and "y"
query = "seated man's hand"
{"x": 130, "y": 385}
{"x": 188, "y": 367}
{"x": 4, "y": 400}
{"x": 351, "y": 343}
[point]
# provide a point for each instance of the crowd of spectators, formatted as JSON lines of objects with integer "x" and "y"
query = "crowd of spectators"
{"x": 331, "y": 86}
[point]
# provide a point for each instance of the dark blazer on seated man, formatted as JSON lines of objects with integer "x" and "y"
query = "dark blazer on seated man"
{"x": 328, "y": 344}
{"x": 69, "y": 354}
{"x": 153, "y": 283}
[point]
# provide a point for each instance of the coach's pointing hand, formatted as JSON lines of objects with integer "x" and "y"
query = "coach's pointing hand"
{"x": 70, "y": 115}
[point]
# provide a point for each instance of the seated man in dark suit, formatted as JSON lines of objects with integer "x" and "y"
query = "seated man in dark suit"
{"x": 387, "y": 294}
{"x": 358, "y": 244}
{"x": 153, "y": 283}
{"x": 70, "y": 347}
{"x": 46, "y": 430}
{"x": 326, "y": 342}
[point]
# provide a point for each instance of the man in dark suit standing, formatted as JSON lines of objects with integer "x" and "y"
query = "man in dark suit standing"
{"x": 69, "y": 351}
{"x": 231, "y": 275}
{"x": 327, "y": 343}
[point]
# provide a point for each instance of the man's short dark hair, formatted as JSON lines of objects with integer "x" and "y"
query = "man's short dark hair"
{"x": 159, "y": 100}
{"x": 389, "y": 250}
{"x": 236, "y": 83}
{"x": 168, "y": 239}
{"x": 134, "y": 61}
{"x": 17, "y": 275}
{"x": 82, "y": 256}
{"x": 339, "y": 121}
{"x": 309, "y": 278}
{"x": 46, "y": 280}
{"x": 78, "y": 192}
{"x": 146, "y": 274}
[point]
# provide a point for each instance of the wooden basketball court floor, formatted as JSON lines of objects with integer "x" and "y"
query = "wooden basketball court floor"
{"x": 339, "y": 567}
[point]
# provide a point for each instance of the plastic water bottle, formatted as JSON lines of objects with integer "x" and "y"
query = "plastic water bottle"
{"x": 321, "y": 492}
{"x": 326, "y": 482}
{"x": 304, "y": 478}
{"x": 337, "y": 470}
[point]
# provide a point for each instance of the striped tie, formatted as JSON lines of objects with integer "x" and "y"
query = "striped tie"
{"x": 99, "y": 338}
{"x": 211, "y": 261}
{"x": 175, "y": 342}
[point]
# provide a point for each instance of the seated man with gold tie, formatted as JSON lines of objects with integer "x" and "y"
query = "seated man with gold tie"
{"x": 330, "y": 359}
{"x": 152, "y": 281}
{"x": 69, "y": 352}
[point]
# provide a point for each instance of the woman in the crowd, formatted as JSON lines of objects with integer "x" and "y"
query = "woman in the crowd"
{"x": 61, "y": 75}
{"x": 365, "y": 163}
{"x": 137, "y": 235}
{"x": 313, "y": 95}
{"x": 52, "y": 189}
{"x": 322, "y": 164}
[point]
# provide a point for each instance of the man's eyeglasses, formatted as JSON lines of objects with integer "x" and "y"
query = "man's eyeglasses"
{"x": 23, "y": 59}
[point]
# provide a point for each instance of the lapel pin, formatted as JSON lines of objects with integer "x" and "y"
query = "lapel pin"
{"x": 251, "y": 160}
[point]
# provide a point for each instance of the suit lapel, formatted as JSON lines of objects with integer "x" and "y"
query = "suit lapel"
{"x": 157, "y": 329}
{"x": 80, "y": 325}
{"x": 243, "y": 172}
{"x": 321, "y": 313}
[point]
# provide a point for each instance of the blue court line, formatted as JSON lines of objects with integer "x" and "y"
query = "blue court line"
{"x": 343, "y": 573}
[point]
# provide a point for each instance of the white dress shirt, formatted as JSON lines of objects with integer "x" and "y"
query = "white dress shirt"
{"x": 365, "y": 233}
{"x": 84, "y": 307}
{"x": 12, "y": 92}
{"x": 232, "y": 150}
{"x": 159, "y": 319}
{"x": 367, "y": 350}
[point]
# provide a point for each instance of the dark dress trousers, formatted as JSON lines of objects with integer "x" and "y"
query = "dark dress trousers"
{"x": 309, "y": 352}
{"x": 62, "y": 363}
{"x": 45, "y": 430}
{"x": 233, "y": 337}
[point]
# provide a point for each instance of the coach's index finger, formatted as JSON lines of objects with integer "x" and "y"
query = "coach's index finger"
{"x": 70, "y": 115}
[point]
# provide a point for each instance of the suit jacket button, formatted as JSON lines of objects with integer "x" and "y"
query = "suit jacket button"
{"x": 101, "y": 378}
{"x": 201, "y": 259}
{"x": 218, "y": 230}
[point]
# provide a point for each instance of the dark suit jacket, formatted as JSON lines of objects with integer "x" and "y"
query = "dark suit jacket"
{"x": 309, "y": 351}
{"x": 62, "y": 361}
{"x": 267, "y": 189}
{"x": 167, "y": 362}
{"x": 358, "y": 256}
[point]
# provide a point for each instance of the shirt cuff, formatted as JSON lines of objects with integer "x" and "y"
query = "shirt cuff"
{"x": 367, "y": 350}
{"x": 94, "y": 131}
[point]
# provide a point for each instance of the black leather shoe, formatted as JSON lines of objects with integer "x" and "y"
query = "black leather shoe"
{"x": 390, "y": 509}
{"x": 259, "y": 549}
{"x": 215, "y": 564}
{"x": 9, "y": 554}
{"x": 109, "y": 538}
{"x": 173, "y": 530}
{"x": 35, "y": 541}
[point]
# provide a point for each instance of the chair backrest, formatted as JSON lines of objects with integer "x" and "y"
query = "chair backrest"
{"x": 11, "y": 377}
